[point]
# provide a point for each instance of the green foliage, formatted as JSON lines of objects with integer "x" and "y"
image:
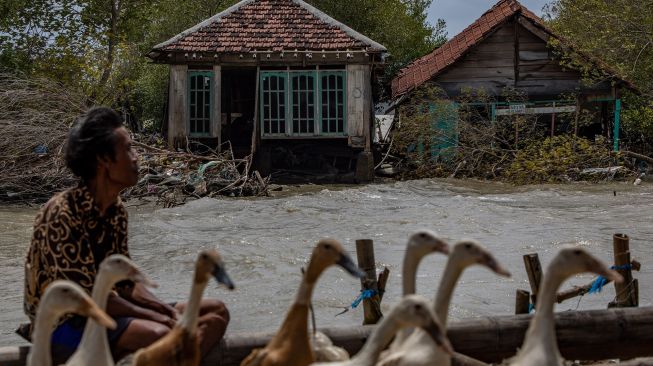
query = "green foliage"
{"x": 619, "y": 32}
{"x": 400, "y": 25}
{"x": 557, "y": 160}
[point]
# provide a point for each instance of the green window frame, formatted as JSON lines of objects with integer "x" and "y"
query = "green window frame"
{"x": 274, "y": 87}
{"x": 333, "y": 97}
{"x": 303, "y": 103}
{"x": 303, "y": 113}
{"x": 200, "y": 99}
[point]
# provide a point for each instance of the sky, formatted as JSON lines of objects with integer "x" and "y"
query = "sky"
{"x": 460, "y": 13}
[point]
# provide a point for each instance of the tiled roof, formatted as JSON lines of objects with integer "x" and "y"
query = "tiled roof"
{"x": 269, "y": 25}
{"x": 426, "y": 67}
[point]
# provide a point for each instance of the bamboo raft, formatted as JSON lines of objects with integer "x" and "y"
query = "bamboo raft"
{"x": 623, "y": 333}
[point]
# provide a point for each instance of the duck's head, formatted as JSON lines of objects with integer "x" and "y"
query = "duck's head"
{"x": 123, "y": 268}
{"x": 414, "y": 311}
{"x": 209, "y": 264}
{"x": 330, "y": 252}
{"x": 575, "y": 260}
{"x": 425, "y": 242}
{"x": 65, "y": 297}
{"x": 469, "y": 252}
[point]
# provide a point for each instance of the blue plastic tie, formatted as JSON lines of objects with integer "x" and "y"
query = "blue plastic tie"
{"x": 365, "y": 294}
{"x": 531, "y": 307}
{"x": 600, "y": 281}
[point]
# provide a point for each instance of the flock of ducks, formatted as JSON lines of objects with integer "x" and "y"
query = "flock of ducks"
{"x": 412, "y": 333}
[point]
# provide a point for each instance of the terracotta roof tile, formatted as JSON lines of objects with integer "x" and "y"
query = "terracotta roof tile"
{"x": 268, "y": 25}
{"x": 412, "y": 76}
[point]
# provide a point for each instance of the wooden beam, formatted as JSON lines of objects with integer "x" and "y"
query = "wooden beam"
{"x": 367, "y": 263}
{"x": 541, "y": 34}
{"x": 582, "y": 335}
{"x": 534, "y": 271}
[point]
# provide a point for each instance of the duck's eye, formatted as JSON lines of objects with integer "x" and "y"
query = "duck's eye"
{"x": 65, "y": 291}
{"x": 418, "y": 307}
{"x": 327, "y": 246}
{"x": 577, "y": 252}
{"x": 422, "y": 235}
{"x": 204, "y": 256}
{"x": 468, "y": 246}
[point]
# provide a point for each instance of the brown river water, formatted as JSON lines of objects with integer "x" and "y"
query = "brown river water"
{"x": 265, "y": 241}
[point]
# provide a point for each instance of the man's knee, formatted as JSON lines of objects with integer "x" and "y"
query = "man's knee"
{"x": 218, "y": 308}
{"x": 152, "y": 332}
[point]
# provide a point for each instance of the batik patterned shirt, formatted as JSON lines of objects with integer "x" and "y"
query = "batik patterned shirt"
{"x": 70, "y": 240}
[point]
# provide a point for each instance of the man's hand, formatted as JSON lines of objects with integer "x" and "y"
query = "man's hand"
{"x": 160, "y": 318}
{"x": 140, "y": 295}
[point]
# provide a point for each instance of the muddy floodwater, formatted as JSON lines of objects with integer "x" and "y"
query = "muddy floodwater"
{"x": 265, "y": 241}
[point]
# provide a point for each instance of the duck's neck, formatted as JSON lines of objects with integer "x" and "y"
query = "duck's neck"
{"x": 380, "y": 337}
{"x": 409, "y": 273}
{"x": 44, "y": 324}
{"x": 190, "y": 319}
{"x": 94, "y": 346}
{"x": 452, "y": 273}
{"x": 542, "y": 327}
{"x": 295, "y": 324}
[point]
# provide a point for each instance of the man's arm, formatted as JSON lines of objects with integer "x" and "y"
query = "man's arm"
{"x": 119, "y": 307}
{"x": 139, "y": 295}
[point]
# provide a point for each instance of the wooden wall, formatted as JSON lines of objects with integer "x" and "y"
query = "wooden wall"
{"x": 216, "y": 104}
{"x": 359, "y": 105}
{"x": 510, "y": 57}
{"x": 178, "y": 105}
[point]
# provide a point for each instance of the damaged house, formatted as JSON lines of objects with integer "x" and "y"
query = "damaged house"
{"x": 276, "y": 78}
{"x": 509, "y": 48}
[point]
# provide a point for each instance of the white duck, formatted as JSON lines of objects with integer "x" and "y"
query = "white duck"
{"x": 418, "y": 348}
{"x": 411, "y": 311}
{"x": 540, "y": 347}
{"x": 60, "y": 298}
{"x": 94, "y": 347}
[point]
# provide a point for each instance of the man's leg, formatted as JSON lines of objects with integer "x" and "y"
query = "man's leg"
{"x": 213, "y": 322}
{"x": 139, "y": 333}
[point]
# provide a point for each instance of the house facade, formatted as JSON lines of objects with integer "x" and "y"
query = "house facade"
{"x": 270, "y": 76}
{"x": 509, "y": 48}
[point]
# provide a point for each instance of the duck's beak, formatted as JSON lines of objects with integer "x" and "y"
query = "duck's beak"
{"x": 349, "y": 266}
{"x": 137, "y": 276}
{"x": 91, "y": 310}
{"x": 497, "y": 268}
{"x": 601, "y": 269}
{"x": 439, "y": 337}
{"x": 443, "y": 248}
{"x": 221, "y": 276}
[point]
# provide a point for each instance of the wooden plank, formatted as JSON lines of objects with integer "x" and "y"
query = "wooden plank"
{"x": 216, "y": 104}
{"x": 178, "y": 105}
{"x": 582, "y": 335}
{"x": 538, "y": 55}
{"x": 534, "y": 271}
{"x": 522, "y": 302}
{"x": 541, "y": 34}
{"x": 358, "y": 102}
{"x": 474, "y": 73}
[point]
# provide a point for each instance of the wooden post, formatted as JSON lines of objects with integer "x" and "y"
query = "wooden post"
{"x": 522, "y": 302}
{"x": 372, "y": 306}
{"x": 626, "y": 294}
{"x": 534, "y": 271}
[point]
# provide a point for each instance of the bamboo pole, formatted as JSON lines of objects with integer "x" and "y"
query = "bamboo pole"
{"x": 626, "y": 295}
{"x": 366, "y": 262}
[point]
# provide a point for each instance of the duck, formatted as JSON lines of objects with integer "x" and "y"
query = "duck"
{"x": 60, "y": 298}
{"x": 411, "y": 311}
{"x": 181, "y": 346}
{"x": 418, "y": 348}
{"x": 291, "y": 345}
{"x": 94, "y": 347}
{"x": 420, "y": 244}
{"x": 540, "y": 346}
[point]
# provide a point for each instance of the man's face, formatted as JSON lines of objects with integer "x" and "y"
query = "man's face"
{"x": 123, "y": 170}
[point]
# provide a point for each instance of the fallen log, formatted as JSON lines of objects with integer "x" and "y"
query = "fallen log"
{"x": 622, "y": 333}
